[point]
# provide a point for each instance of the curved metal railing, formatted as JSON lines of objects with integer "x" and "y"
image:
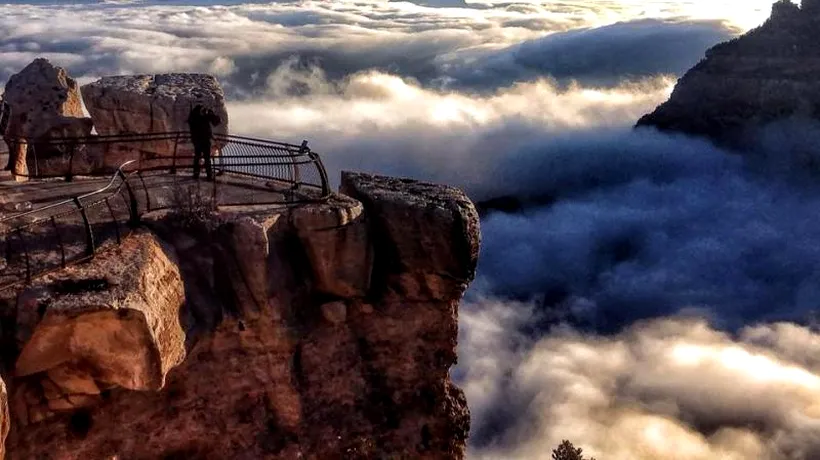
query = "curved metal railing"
{"x": 296, "y": 165}
{"x": 49, "y": 238}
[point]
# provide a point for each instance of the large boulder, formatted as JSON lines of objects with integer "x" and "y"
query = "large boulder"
{"x": 151, "y": 104}
{"x": 45, "y": 102}
{"x": 114, "y": 322}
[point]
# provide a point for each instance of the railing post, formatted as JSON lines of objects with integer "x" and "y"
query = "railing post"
{"x": 297, "y": 174}
{"x": 90, "y": 247}
{"x": 134, "y": 204}
{"x": 145, "y": 189}
{"x": 114, "y": 219}
{"x": 221, "y": 161}
{"x": 322, "y": 173}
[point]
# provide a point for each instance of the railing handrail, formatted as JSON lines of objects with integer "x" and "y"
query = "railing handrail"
{"x": 118, "y": 174}
{"x": 149, "y": 137}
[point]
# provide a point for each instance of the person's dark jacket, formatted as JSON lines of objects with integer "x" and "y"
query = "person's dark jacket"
{"x": 200, "y": 122}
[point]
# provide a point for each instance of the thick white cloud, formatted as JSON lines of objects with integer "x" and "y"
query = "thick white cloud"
{"x": 384, "y": 123}
{"x": 243, "y": 42}
{"x": 670, "y": 388}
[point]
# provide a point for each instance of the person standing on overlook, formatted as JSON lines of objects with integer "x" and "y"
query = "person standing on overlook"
{"x": 200, "y": 122}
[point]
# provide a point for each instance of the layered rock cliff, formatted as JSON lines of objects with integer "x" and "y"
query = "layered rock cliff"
{"x": 766, "y": 75}
{"x": 320, "y": 330}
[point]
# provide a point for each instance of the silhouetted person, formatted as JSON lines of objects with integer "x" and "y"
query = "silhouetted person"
{"x": 200, "y": 122}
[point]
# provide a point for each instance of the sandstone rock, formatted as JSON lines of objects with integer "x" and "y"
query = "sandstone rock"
{"x": 426, "y": 230}
{"x": 80, "y": 401}
{"x": 151, "y": 104}
{"x": 61, "y": 404}
{"x": 19, "y": 407}
{"x": 51, "y": 390}
{"x": 5, "y": 419}
{"x": 50, "y": 159}
{"x": 334, "y": 312}
{"x": 72, "y": 381}
{"x": 38, "y": 414}
{"x": 309, "y": 373}
{"x": 250, "y": 243}
{"x": 335, "y": 237}
{"x": 126, "y": 333}
{"x": 426, "y": 239}
{"x": 768, "y": 74}
{"x": 45, "y": 102}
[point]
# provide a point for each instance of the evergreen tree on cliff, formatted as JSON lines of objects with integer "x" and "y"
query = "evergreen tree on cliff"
{"x": 566, "y": 451}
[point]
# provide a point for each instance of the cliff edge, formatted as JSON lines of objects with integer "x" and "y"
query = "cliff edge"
{"x": 318, "y": 330}
{"x": 768, "y": 74}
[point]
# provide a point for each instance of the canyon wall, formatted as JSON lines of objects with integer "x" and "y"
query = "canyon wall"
{"x": 320, "y": 330}
{"x": 766, "y": 75}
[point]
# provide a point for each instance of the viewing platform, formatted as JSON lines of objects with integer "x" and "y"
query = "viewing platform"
{"x": 71, "y": 203}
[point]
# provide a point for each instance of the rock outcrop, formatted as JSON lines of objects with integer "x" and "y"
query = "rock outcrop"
{"x": 111, "y": 324}
{"x": 336, "y": 240}
{"x": 766, "y": 75}
{"x": 320, "y": 330}
{"x": 425, "y": 247}
{"x": 45, "y": 103}
{"x": 151, "y": 104}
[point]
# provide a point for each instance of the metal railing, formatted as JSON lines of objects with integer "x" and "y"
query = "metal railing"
{"x": 52, "y": 237}
{"x": 295, "y": 165}
{"x": 248, "y": 172}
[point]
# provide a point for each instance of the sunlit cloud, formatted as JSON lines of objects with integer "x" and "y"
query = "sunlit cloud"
{"x": 669, "y": 388}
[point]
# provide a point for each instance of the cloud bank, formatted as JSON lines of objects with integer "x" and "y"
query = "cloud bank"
{"x": 637, "y": 304}
{"x": 243, "y": 42}
{"x": 671, "y": 388}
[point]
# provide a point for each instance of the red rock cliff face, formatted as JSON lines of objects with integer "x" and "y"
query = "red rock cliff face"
{"x": 319, "y": 331}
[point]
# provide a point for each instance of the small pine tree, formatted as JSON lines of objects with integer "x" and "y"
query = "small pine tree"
{"x": 566, "y": 451}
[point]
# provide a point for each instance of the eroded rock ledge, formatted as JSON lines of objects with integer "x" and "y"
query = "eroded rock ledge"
{"x": 314, "y": 331}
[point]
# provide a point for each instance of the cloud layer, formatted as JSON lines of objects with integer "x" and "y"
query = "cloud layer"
{"x": 600, "y": 311}
{"x": 671, "y": 388}
{"x": 243, "y": 42}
